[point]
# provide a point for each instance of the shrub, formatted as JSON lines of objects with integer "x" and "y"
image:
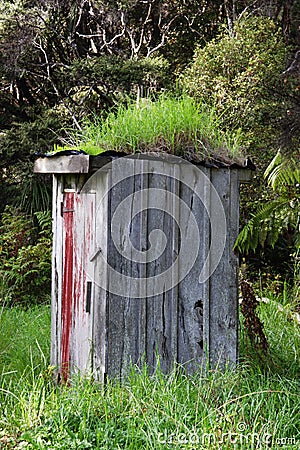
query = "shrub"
{"x": 25, "y": 256}
{"x": 239, "y": 73}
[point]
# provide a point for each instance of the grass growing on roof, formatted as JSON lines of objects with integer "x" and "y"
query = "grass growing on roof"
{"x": 168, "y": 124}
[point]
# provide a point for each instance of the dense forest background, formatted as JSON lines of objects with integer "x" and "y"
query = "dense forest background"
{"x": 64, "y": 61}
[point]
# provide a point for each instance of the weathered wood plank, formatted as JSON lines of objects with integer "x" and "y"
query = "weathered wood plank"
{"x": 100, "y": 184}
{"x": 83, "y": 238}
{"x": 135, "y": 306}
{"x": 193, "y": 296}
{"x": 161, "y": 331}
{"x": 56, "y": 289}
{"x": 223, "y": 319}
{"x": 120, "y": 348}
{"x": 245, "y": 175}
{"x": 187, "y": 323}
{"x": 141, "y": 269}
{"x": 62, "y": 164}
{"x": 233, "y": 262}
{"x": 67, "y": 282}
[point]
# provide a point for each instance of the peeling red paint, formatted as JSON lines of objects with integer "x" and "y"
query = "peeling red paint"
{"x": 67, "y": 288}
{"x": 78, "y": 223}
{"x": 78, "y": 263}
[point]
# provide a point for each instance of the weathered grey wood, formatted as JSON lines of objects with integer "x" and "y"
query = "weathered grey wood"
{"x": 235, "y": 181}
{"x": 141, "y": 316}
{"x": 223, "y": 299}
{"x": 161, "y": 347}
{"x": 193, "y": 323}
{"x": 245, "y": 175}
{"x": 81, "y": 337}
{"x": 194, "y": 296}
{"x": 62, "y": 164}
{"x": 100, "y": 184}
{"x": 205, "y": 286}
{"x": 135, "y": 308}
{"x": 122, "y": 328}
{"x": 56, "y": 290}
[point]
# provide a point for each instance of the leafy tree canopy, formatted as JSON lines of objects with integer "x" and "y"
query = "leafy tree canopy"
{"x": 239, "y": 73}
{"x": 64, "y": 60}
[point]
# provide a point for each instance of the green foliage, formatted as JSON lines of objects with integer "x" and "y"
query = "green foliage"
{"x": 84, "y": 57}
{"x": 25, "y": 341}
{"x": 57, "y": 68}
{"x": 239, "y": 73}
{"x": 282, "y": 213}
{"x": 115, "y": 77}
{"x": 168, "y": 124}
{"x": 35, "y": 194}
{"x": 259, "y": 400}
{"x": 281, "y": 327}
{"x": 25, "y": 256}
{"x": 18, "y": 185}
{"x": 283, "y": 175}
{"x": 278, "y": 221}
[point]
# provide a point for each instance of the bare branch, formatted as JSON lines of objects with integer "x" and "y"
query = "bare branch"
{"x": 228, "y": 15}
{"x": 163, "y": 37}
{"x": 143, "y": 29}
{"x": 294, "y": 67}
{"x": 50, "y": 79}
{"x": 106, "y": 44}
{"x": 83, "y": 3}
{"x": 41, "y": 48}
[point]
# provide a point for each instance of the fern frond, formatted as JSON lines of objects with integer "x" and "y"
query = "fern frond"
{"x": 45, "y": 223}
{"x": 283, "y": 175}
{"x": 257, "y": 229}
{"x": 282, "y": 172}
{"x": 277, "y": 160}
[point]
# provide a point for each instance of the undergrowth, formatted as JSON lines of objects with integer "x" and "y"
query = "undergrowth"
{"x": 25, "y": 257}
{"x": 255, "y": 406}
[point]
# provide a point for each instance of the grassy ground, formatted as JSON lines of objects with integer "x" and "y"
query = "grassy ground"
{"x": 255, "y": 406}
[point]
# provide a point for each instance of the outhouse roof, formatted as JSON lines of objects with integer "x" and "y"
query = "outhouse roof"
{"x": 77, "y": 161}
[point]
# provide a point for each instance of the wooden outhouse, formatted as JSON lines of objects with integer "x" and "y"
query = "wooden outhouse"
{"x": 143, "y": 265}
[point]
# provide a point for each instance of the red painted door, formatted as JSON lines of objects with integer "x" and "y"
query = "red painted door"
{"x": 78, "y": 217}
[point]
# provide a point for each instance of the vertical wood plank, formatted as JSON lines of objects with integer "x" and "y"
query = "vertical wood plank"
{"x": 161, "y": 331}
{"x": 141, "y": 270}
{"x": 101, "y": 184}
{"x": 57, "y": 267}
{"x": 206, "y": 285}
{"x": 83, "y": 235}
{"x": 234, "y": 258}
{"x": 193, "y": 296}
{"x": 135, "y": 308}
{"x": 67, "y": 283}
{"x": 223, "y": 288}
{"x": 121, "y": 349}
{"x": 174, "y": 293}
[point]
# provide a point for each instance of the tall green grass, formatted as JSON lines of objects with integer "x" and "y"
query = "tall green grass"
{"x": 255, "y": 406}
{"x": 24, "y": 344}
{"x": 167, "y": 124}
